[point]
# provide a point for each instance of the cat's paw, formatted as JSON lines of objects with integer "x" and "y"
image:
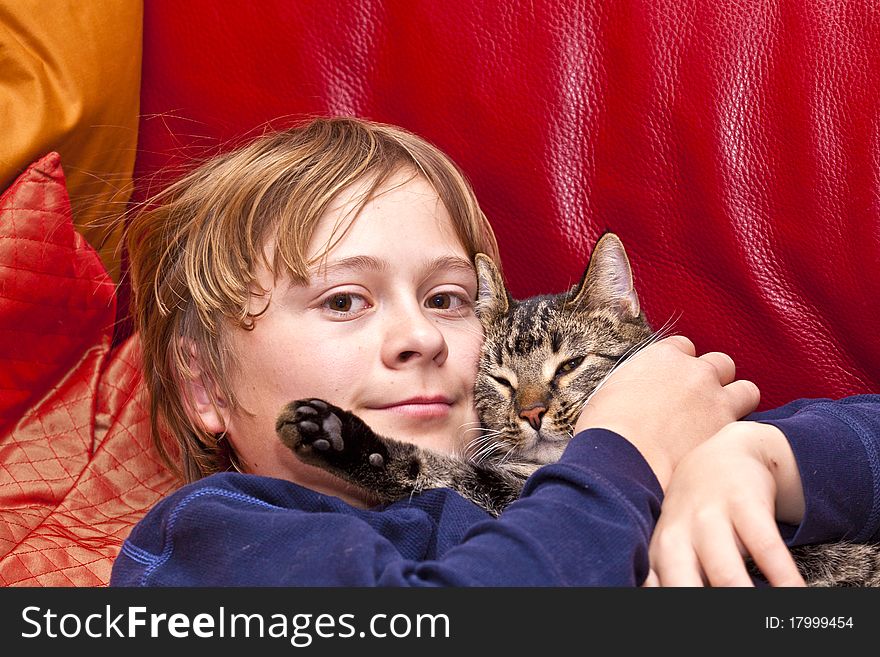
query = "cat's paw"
{"x": 319, "y": 432}
{"x": 310, "y": 424}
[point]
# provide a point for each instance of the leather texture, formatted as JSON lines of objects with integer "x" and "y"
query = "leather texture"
{"x": 734, "y": 147}
{"x": 77, "y": 468}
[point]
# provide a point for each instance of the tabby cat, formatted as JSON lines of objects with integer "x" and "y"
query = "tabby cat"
{"x": 541, "y": 359}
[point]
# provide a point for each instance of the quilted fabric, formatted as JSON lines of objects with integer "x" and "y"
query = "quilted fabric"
{"x": 733, "y": 146}
{"x": 77, "y": 468}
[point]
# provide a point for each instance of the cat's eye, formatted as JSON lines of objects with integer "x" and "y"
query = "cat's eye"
{"x": 502, "y": 381}
{"x": 569, "y": 365}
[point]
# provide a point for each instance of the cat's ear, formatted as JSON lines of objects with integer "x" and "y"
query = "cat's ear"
{"x": 608, "y": 281}
{"x": 493, "y": 299}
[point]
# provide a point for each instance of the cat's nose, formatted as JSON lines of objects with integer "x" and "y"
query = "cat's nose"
{"x": 533, "y": 414}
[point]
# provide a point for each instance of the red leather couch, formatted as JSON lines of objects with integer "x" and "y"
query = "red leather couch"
{"x": 735, "y": 149}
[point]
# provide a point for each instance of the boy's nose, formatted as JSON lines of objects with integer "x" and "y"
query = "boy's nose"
{"x": 410, "y": 337}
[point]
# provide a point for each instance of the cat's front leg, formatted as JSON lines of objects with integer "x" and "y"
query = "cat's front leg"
{"x": 339, "y": 442}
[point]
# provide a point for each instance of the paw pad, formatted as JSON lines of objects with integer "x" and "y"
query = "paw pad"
{"x": 318, "y": 425}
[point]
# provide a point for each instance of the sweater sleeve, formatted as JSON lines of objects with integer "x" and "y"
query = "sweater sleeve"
{"x": 836, "y": 444}
{"x": 585, "y": 520}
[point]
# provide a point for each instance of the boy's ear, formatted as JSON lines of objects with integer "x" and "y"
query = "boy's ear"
{"x": 493, "y": 299}
{"x": 608, "y": 280}
{"x": 203, "y": 399}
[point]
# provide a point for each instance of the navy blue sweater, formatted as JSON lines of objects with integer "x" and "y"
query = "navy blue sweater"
{"x": 583, "y": 521}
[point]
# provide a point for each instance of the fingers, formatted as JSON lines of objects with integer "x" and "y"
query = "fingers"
{"x": 723, "y": 364}
{"x": 762, "y": 541}
{"x": 744, "y": 397}
{"x": 715, "y": 557}
{"x": 746, "y": 392}
{"x": 721, "y": 559}
{"x": 675, "y": 563}
{"x": 681, "y": 343}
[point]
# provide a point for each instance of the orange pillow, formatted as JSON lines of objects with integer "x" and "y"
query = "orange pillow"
{"x": 70, "y": 82}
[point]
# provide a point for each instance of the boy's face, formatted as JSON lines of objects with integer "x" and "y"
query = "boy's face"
{"x": 386, "y": 330}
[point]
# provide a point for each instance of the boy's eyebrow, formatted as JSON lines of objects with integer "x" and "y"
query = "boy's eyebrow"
{"x": 447, "y": 263}
{"x": 352, "y": 263}
{"x": 369, "y": 263}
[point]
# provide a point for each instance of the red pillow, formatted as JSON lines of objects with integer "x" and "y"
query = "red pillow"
{"x": 77, "y": 468}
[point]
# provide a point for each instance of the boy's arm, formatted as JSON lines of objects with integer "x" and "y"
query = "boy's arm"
{"x": 574, "y": 526}
{"x": 836, "y": 445}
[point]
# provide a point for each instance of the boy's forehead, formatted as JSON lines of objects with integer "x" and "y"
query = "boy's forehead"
{"x": 405, "y": 213}
{"x": 404, "y": 185}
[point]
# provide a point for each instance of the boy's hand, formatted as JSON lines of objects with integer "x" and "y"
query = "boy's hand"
{"x": 722, "y": 503}
{"x": 666, "y": 401}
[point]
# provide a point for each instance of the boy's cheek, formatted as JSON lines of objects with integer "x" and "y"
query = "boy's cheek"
{"x": 471, "y": 356}
{"x": 468, "y": 341}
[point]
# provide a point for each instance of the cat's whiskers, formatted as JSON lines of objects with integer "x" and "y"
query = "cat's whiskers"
{"x": 480, "y": 449}
{"x": 483, "y": 446}
{"x": 666, "y": 330}
{"x": 486, "y": 451}
{"x": 486, "y": 435}
{"x": 482, "y": 457}
{"x": 506, "y": 456}
{"x": 465, "y": 427}
{"x": 485, "y": 432}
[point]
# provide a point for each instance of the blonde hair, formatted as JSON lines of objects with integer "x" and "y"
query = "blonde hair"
{"x": 196, "y": 247}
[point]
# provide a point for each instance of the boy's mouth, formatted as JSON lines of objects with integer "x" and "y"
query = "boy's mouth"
{"x": 425, "y": 406}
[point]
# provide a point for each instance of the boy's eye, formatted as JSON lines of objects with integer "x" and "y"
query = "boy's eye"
{"x": 340, "y": 302}
{"x": 440, "y": 301}
{"x": 569, "y": 365}
{"x": 443, "y": 301}
{"x": 345, "y": 302}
